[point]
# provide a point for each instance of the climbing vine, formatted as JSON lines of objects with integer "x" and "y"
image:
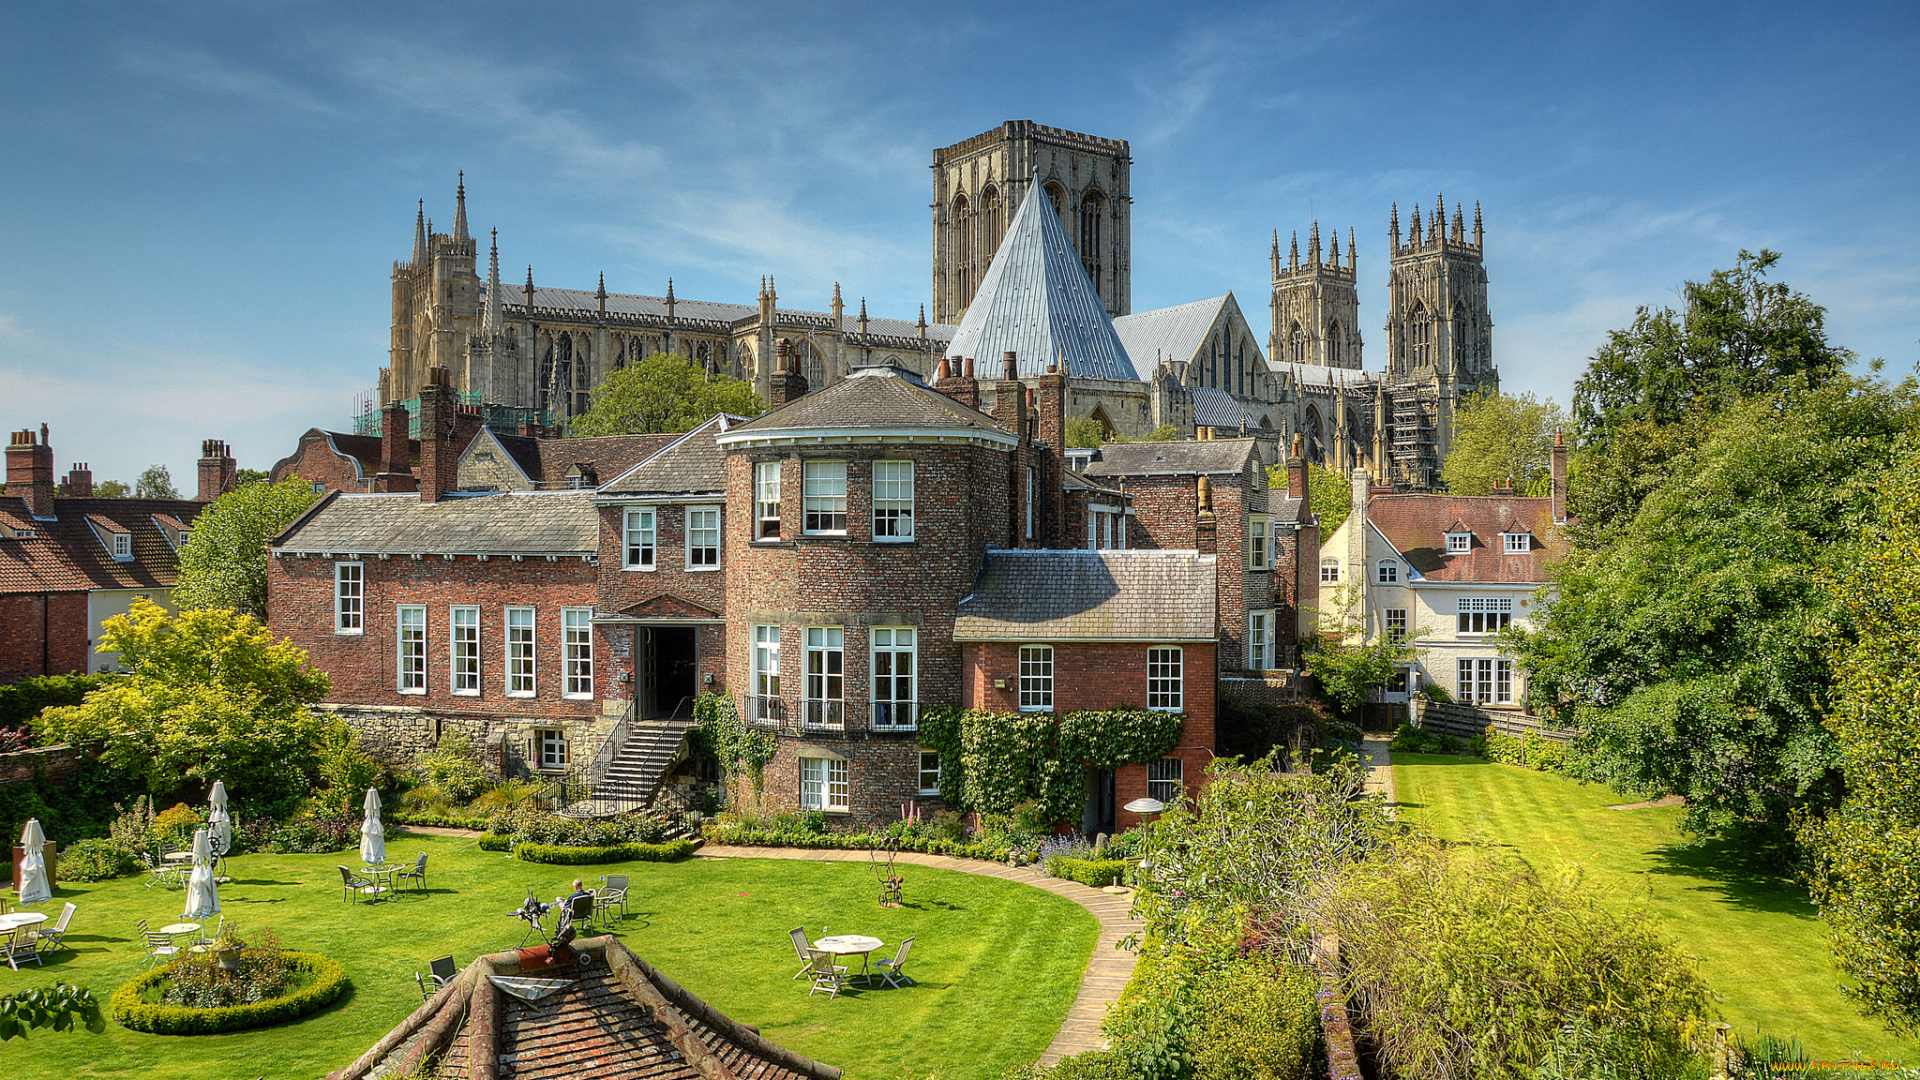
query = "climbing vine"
{"x": 994, "y": 762}
{"x": 740, "y": 750}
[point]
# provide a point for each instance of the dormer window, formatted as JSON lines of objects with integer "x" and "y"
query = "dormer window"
{"x": 1459, "y": 542}
{"x": 1517, "y": 543}
{"x": 122, "y": 545}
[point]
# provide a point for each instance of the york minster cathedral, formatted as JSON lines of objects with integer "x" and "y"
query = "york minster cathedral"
{"x": 1047, "y": 279}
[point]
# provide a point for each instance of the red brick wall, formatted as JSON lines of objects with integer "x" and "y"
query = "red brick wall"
{"x": 315, "y": 462}
{"x": 25, "y": 651}
{"x": 1166, "y": 509}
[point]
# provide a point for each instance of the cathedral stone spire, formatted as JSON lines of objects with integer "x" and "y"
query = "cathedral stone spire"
{"x": 669, "y": 298}
{"x": 1394, "y": 227}
{"x": 923, "y": 322}
{"x": 460, "y": 209}
{"x": 600, "y": 294}
{"x": 1313, "y": 245}
{"x": 420, "y": 235}
{"x": 1476, "y": 223}
{"x": 1351, "y": 251}
{"x": 1459, "y": 225}
{"x": 1293, "y": 252}
{"x": 494, "y": 320}
{"x": 863, "y": 317}
{"x": 529, "y": 286}
{"x": 1276, "y": 253}
{"x": 839, "y": 309}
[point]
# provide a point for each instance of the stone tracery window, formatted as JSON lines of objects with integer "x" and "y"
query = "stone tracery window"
{"x": 1298, "y": 342}
{"x": 1333, "y": 343}
{"x": 962, "y": 226}
{"x": 1420, "y": 334}
{"x": 993, "y": 218}
{"x": 1093, "y": 206}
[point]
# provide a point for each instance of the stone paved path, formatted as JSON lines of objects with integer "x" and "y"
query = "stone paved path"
{"x": 1107, "y": 972}
{"x": 1379, "y": 757}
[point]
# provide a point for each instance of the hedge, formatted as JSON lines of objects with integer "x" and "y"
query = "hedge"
{"x": 495, "y": 842}
{"x": 575, "y": 856}
{"x": 744, "y": 837}
{"x": 439, "y": 821}
{"x": 329, "y": 982}
{"x": 1094, "y": 872}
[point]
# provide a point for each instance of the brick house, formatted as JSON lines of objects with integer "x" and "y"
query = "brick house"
{"x": 70, "y": 561}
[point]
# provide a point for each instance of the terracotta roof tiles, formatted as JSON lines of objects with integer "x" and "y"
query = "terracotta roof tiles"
{"x": 1417, "y": 526}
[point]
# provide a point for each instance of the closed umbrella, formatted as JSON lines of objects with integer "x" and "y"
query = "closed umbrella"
{"x": 33, "y": 883}
{"x": 373, "y": 838}
{"x": 219, "y": 820}
{"x": 203, "y": 895}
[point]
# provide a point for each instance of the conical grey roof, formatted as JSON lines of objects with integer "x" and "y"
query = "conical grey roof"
{"x": 1036, "y": 300}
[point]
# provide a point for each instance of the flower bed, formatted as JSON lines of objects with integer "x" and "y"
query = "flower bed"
{"x": 476, "y": 822}
{"x": 744, "y": 836}
{"x": 629, "y": 852}
{"x": 324, "y": 981}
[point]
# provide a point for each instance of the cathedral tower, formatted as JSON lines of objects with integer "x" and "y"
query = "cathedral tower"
{"x": 1316, "y": 309}
{"x": 1439, "y": 335}
{"x": 979, "y": 183}
{"x": 436, "y": 304}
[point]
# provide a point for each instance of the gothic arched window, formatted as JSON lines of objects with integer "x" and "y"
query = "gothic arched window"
{"x": 1460, "y": 335}
{"x": 992, "y": 219}
{"x": 1056, "y": 195}
{"x": 963, "y": 253}
{"x": 1333, "y": 343}
{"x": 1093, "y": 206}
{"x": 1420, "y": 335}
{"x": 1297, "y": 340}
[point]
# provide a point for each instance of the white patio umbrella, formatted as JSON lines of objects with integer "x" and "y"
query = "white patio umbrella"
{"x": 203, "y": 895}
{"x": 219, "y": 820}
{"x": 373, "y": 837}
{"x": 33, "y": 883}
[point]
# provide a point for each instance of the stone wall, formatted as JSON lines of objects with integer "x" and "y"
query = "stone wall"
{"x": 60, "y": 762}
{"x": 396, "y": 734}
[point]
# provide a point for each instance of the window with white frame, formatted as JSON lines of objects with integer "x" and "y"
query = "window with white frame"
{"x": 823, "y": 784}
{"x": 893, "y": 676}
{"x": 1259, "y": 542}
{"x": 411, "y": 642}
{"x": 892, "y": 500}
{"x": 519, "y": 652}
{"x": 319, "y": 488}
{"x": 551, "y": 744}
{"x": 826, "y": 676}
{"x": 1518, "y": 543}
{"x": 1036, "y": 678}
{"x": 576, "y": 643}
{"x": 1329, "y": 571}
{"x": 642, "y": 538}
{"x": 1485, "y": 681}
{"x": 1260, "y": 642}
{"x": 1388, "y": 572}
{"x": 1484, "y": 615}
{"x": 1166, "y": 780}
{"x": 463, "y": 650}
{"x": 929, "y": 772}
{"x": 703, "y": 537}
{"x": 1396, "y": 623}
{"x": 766, "y": 672}
{"x": 349, "y": 596}
{"x": 1163, "y": 679}
{"x": 1106, "y": 528}
{"x": 122, "y": 545}
{"x": 766, "y": 500}
{"x": 824, "y": 496}
{"x": 1459, "y": 542}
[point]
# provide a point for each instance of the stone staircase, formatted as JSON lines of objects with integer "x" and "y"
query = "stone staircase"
{"x": 634, "y": 777}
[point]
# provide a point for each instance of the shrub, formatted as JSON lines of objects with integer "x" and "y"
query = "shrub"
{"x": 748, "y": 835}
{"x": 447, "y": 774}
{"x": 1532, "y": 751}
{"x": 1258, "y": 1020}
{"x": 1419, "y": 740}
{"x": 21, "y": 702}
{"x": 495, "y": 842}
{"x": 628, "y": 852}
{"x": 96, "y": 860}
{"x": 316, "y": 828}
{"x": 949, "y": 826}
{"x": 528, "y": 824}
{"x": 173, "y": 828}
{"x": 262, "y": 974}
{"x": 439, "y": 820}
{"x": 326, "y": 980}
{"x": 1095, "y": 872}
{"x": 1092, "y": 1065}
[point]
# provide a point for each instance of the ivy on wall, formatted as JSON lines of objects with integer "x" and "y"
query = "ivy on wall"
{"x": 992, "y": 762}
{"x": 740, "y": 750}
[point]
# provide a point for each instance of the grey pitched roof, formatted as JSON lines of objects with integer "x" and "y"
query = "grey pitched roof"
{"x": 1192, "y": 458}
{"x": 1290, "y": 511}
{"x": 1216, "y": 408}
{"x": 1135, "y": 595}
{"x": 1312, "y": 375}
{"x": 1171, "y": 333}
{"x": 692, "y": 464}
{"x": 1036, "y": 300}
{"x": 588, "y": 301}
{"x": 505, "y": 523}
{"x": 871, "y": 397}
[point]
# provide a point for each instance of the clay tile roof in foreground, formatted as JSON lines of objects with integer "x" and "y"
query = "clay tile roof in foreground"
{"x": 1074, "y": 595}
{"x": 599, "y": 1011}
{"x": 1417, "y": 527}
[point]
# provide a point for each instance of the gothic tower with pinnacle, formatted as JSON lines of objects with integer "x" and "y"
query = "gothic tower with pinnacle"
{"x": 1316, "y": 308}
{"x": 436, "y": 304}
{"x": 1439, "y": 335}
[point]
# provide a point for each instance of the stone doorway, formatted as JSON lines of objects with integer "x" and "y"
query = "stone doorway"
{"x": 670, "y": 670}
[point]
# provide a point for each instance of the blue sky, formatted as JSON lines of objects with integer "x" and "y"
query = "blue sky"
{"x": 200, "y": 206}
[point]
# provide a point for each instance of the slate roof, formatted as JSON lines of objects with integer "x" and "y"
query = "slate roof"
{"x": 545, "y": 462}
{"x": 1289, "y": 511}
{"x": 1417, "y": 527}
{"x": 1170, "y": 333}
{"x": 1216, "y": 408}
{"x": 692, "y": 464}
{"x": 584, "y": 300}
{"x": 872, "y": 397}
{"x": 599, "y": 1011}
{"x": 67, "y": 555}
{"x": 498, "y": 523}
{"x": 1197, "y": 457}
{"x": 1036, "y": 300}
{"x": 1133, "y": 595}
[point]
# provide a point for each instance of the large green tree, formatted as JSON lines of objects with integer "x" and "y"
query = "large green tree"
{"x": 1502, "y": 440}
{"x": 1328, "y": 493}
{"x": 1688, "y": 638}
{"x": 224, "y": 562}
{"x": 1866, "y": 851}
{"x": 155, "y": 482}
{"x": 663, "y": 393}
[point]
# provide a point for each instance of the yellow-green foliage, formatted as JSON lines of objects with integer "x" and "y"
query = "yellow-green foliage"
{"x": 1095, "y": 872}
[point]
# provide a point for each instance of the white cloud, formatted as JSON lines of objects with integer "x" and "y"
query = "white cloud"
{"x": 199, "y": 70}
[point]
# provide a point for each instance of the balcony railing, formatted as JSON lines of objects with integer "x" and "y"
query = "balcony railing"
{"x": 824, "y": 715}
{"x": 895, "y": 715}
{"x": 766, "y": 711}
{"x": 814, "y": 715}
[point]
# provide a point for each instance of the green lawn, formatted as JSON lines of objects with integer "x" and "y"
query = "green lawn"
{"x": 998, "y": 963}
{"x": 1761, "y": 944}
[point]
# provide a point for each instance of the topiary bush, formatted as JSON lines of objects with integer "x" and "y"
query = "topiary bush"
{"x": 495, "y": 842}
{"x": 325, "y": 980}
{"x": 1094, "y": 872}
{"x": 528, "y": 824}
{"x": 96, "y": 860}
{"x": 578, "y": 856}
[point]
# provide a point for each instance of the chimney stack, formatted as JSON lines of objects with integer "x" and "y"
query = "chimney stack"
{"x": 79, "y": 482}
{"x": 217, "y": 471}
{"x": 396, "y": 450}
{"x": 1010, "y": 399}
{"x": 957, "y": 382}
{"x": 788, "y": 383}
{"x": 1297, "y": 471}
{"x": 1559, "y": 468}
{"x": 1206, "y": 529}
{"x": 30, "y": 472}
{"x": 437, "y": 463}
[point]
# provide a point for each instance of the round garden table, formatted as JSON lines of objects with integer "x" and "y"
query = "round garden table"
{"x": 176, "y": 929}
{"x": 848, "y": 945}
{"x": 20, "y": 920}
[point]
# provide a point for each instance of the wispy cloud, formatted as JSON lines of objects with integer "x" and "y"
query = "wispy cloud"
{"x": 196, "y": 69}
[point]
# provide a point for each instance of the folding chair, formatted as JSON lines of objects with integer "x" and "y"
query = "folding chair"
{"x": 16, "y": 947}
{"x": 46, "y": 941}
{"x": 890, "y": 969}
{"x": 206, "y": 941}
{"x": 826, "y": 974}
{"x": 158, "y": 946}
{"x": 802, "y": 948}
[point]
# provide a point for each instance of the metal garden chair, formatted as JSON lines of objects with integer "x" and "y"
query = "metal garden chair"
{"x": 158, "y": 946}
{"x": 46, "y": 941}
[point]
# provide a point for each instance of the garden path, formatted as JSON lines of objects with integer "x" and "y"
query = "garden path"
{"x": 1107, "y": 972}
{"x": 1378, "y": 755}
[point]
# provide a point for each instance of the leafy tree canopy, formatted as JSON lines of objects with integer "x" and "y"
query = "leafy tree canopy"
{"x": 1086, "y": 433}
{"x": 155, "y": 483}
{"x": 224, "y": 562}
{"x": 110, "y": 489}
{"x": 1502, "y": 440}
{"x": 211, "y": 697}
{"x": 1736, "y": 334}
{"x": 250, "y": 476}
{"x": 1866, "y": 848}
{"x": 1688, "y": 638}
{"x": 664, "y": 393}
{"x": 1348, "y": 656}
{"x": 1329, "y": 494}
